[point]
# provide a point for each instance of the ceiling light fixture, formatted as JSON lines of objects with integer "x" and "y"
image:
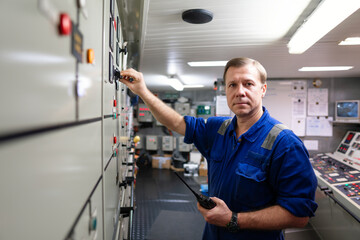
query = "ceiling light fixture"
{"x": 208, "y": 64}
{"x": 324, "y": 18}
{"x": 351, "y": 41}
{"x": 175, "y": 83}
{"x": 317, "y": 69}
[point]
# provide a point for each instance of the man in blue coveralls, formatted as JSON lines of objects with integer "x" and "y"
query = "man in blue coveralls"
{"x": 259, "y": 172}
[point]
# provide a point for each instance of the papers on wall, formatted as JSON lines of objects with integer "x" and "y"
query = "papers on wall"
{"x": 319, "y": 126}
{"x": 222, "y": 109}
{"x": 303, "y": 109}
{"x": 298, "y": 126}
{"x": 298, "y": 103}
{"x": 311, "y": 144}
{"x": 299, "y": 92}
{"x": 318, "y": 102}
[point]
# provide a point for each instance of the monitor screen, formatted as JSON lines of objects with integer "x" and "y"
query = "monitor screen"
{"x": 348, "y": 109}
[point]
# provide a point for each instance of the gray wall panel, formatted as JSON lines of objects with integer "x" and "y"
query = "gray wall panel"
{"x": 36, "y": 66}
{"x": 109, "y": 131}
{"x": 45, "y": 180}
{"x": 90, "y": 74}
{"x": 82, "y": 228}
{"x": 111, "y": 196}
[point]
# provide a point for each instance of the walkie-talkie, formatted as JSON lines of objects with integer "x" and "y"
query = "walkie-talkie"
{"x": 203, "y": 200}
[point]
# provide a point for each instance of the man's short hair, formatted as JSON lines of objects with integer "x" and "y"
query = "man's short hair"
{"x": 240, "y": 62}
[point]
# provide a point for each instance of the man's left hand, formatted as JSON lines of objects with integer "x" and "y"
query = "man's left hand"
{"x": 219, "y": 215}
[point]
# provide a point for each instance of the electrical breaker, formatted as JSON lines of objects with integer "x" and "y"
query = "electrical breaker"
{"x": 183, "y": 147}
{"x": 167, "y": 143}
{"x": 182, "y": 108}
{"x": 144, "y": 114}
{"x": 151, "y": 142}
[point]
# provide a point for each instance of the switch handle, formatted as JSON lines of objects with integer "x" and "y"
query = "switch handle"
{"x": 118, "y": 76}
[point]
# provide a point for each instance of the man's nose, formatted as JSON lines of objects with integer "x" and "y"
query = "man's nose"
{"x": 240, "y": 91}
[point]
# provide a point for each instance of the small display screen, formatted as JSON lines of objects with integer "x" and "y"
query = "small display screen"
{"x": 349, "y": 137}
{"x": 348, "y": 109}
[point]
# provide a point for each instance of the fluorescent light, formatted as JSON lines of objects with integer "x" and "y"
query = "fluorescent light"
{"x": 316, "y": 69}
{"x": 325, "y": 17}
{"x": 208, "y": 64}
{"x": 194, "y": 86}
{"x": 351, "y": 41}
{"x": 175, "y": 83}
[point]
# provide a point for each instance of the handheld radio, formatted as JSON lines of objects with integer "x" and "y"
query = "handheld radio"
{"x": 203, "y": 200}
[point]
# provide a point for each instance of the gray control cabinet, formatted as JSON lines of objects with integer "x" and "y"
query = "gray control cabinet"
{"x": 65, "y": 121}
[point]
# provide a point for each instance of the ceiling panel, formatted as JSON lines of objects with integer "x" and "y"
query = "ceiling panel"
{"x": 259, "y": 29}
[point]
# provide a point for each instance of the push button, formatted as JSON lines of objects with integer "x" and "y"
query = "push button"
{"x": 65, "y": 24}
{"x": 90, "y": 56}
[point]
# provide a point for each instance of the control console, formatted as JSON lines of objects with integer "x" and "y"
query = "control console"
{"x": 338, "y": 173}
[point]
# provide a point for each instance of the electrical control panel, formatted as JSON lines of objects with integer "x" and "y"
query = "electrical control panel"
{"x": 182, "y": 108}
{"x": 70, "y": 55}
{"x": 183, "y": 147}
{"x": 351, "y": 190}
{"x": 151, "y": 142}
{"x": 167, "y": 143}
{"x": 339, "y": 172}
{"x": 144, "y": 114}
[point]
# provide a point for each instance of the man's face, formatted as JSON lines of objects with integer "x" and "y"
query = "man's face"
{"x": 244, "y": 90}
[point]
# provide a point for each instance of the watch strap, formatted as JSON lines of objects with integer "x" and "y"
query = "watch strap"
{"x": 233, "y": 226}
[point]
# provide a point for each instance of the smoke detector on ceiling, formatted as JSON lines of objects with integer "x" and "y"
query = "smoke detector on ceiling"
{"x": 197, "y": 16}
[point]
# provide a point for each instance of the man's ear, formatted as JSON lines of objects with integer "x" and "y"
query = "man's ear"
{"x": 263, "y": 88}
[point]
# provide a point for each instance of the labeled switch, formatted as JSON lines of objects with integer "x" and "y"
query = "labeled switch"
{"x": 65, "y": 24}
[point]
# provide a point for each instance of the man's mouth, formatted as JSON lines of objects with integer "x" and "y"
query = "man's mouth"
{"x": 240, "y": 103}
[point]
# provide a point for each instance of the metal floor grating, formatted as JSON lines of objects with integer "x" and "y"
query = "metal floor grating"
{"x": 158, "y": 190}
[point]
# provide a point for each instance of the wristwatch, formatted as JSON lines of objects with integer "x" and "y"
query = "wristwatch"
{"x": 233, "y": 226}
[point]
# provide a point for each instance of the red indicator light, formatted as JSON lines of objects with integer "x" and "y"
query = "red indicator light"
{"x": 115, "y": 140}
{"x": 65, "y": 24}
{"x": 114, "y": 103}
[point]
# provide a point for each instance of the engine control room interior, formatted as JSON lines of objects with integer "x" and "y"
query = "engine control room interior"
{"x": 173, "y": 120}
